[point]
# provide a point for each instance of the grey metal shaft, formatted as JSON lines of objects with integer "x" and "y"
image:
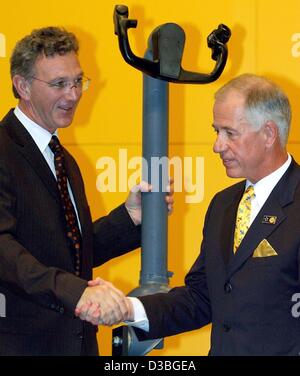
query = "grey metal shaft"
{"x": 155, "y": 170}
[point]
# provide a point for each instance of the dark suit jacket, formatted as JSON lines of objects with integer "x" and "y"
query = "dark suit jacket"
{"x": 36, "y": 269}
{"x": 247, "y": 299}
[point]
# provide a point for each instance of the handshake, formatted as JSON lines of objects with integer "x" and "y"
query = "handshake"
{"x": 102, "y": 303}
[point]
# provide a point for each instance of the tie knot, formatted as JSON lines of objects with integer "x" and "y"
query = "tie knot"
{"x": 249, "y": 193}
{"x": 55, "y": 145}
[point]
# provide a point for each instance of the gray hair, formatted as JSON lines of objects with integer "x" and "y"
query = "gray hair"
{"x": 47, "y": 41}
{"x": 264, "y": 101}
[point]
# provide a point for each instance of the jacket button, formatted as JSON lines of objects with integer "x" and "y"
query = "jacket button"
{"x": 61, "y": 310}
{"x": 228, "y": 287}
{"x": 226, "y": 328}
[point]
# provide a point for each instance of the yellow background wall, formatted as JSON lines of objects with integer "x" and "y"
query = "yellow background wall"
{"x": 265, "y": 40}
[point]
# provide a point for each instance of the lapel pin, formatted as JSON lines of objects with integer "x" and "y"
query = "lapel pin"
{"x": 269, "y": 219}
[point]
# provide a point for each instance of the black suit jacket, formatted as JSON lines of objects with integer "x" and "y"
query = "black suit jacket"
{"x": 36, "y": 266}
{"x": 248, "y": 299}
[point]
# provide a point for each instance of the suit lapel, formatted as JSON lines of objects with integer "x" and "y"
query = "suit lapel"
{"x": 32, "y": 154}
{"x": 256, "y": 233}
{"x": 282, "y": 195}
{"x": 27, "y": 147}
{"x": 227, "y": 232}
{"x": 76, "y": 185}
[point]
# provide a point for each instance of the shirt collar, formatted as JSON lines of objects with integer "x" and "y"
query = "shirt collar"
{"x": 40, "y": 135}
{"x": 264, "y": 187}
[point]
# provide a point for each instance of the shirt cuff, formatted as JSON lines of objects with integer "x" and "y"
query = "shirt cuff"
{"x": 140, "y": 317}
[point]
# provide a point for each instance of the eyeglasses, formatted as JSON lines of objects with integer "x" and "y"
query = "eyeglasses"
{"x": 81, "y": 83}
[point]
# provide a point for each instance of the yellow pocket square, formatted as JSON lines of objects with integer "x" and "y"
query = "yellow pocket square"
{"x": 264, "y": 249}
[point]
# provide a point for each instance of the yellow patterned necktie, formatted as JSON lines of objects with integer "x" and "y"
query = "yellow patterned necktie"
{"x": 243, "y": 217}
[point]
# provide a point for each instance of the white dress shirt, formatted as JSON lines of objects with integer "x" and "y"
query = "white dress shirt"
{"x": 262, "y": 190}
{"x": 42, "y": 138}
{"x": 264, "y": 187}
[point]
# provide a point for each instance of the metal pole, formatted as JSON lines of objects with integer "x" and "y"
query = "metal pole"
{"x": 154, "y": 273}
{"x": 162, "y": 61}
{"x": 155, "y": 153}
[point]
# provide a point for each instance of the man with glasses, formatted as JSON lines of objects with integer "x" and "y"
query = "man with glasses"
{"x": 48, "y": 243}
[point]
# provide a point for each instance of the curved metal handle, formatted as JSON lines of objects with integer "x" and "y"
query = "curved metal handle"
{"x": 122, "y": 24}
{"x": 166, "y": 63}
